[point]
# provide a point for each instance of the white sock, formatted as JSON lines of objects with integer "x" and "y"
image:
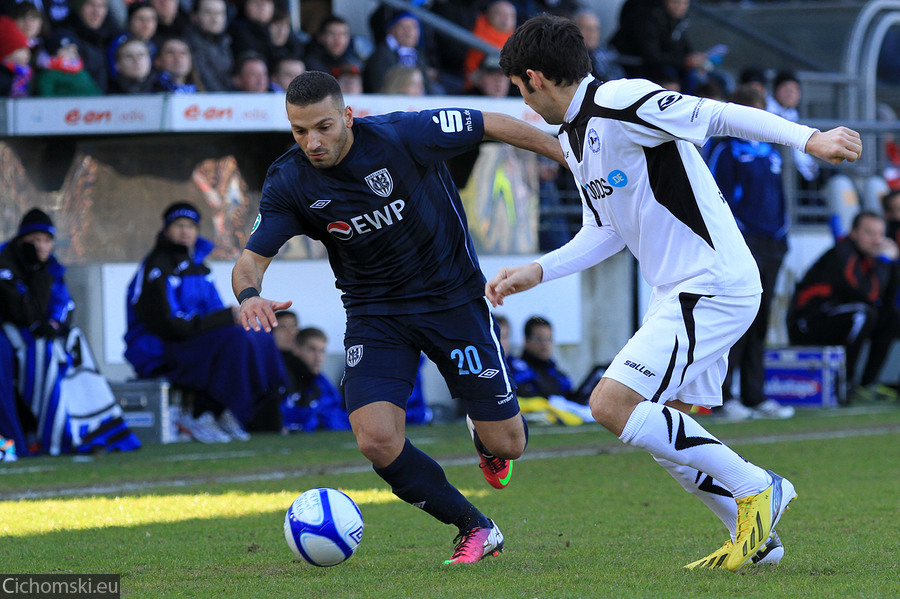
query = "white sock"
{"x": 673, "y": 435}
{"x": 705, "y": 488}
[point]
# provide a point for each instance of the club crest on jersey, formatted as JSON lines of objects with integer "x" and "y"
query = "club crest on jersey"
{"x": 664, "y": 103}
{"x": 381, "y": 183}
{"x": 593, "y": 141}
{"x": 354, "y": 355}
{"x": 340, "y": 229}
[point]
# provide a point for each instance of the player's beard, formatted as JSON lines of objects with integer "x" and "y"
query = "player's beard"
{"x": 335, "y": 153}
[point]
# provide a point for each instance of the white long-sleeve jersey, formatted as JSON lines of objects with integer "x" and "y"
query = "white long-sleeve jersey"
{"x": 632, "y": 148}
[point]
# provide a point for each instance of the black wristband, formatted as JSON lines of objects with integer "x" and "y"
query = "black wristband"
{"x": 247, "y": 294}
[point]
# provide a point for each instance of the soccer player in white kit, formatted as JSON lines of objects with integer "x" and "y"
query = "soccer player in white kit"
{"x": 632, "y": 148}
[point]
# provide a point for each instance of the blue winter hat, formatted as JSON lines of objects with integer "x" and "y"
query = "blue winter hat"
{"x": 36, "y": 220}
{"x": 180, "y": 210}
{"x": 400, "y": 16}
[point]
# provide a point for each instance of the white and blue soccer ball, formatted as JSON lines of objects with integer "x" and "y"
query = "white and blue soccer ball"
{"x": 323, "y": 527}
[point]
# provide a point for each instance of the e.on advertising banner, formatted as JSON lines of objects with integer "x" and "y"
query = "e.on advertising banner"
{"x": 226, "y": 112}
{"x": 87, "y": 116}
{"x": 266, "y": 112}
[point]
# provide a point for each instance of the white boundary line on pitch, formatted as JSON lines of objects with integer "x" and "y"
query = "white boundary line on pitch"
{"x": 604, "y": 449}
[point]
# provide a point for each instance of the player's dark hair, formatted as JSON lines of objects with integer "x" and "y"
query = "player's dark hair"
{"x": 312, "y": 87}
{"x": 552, "y": 45}
{"x": 864, "y": 214}
{"x": 534, "y": 322}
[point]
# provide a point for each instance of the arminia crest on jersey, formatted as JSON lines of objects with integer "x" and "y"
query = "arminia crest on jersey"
{"x": 381, "y": 183}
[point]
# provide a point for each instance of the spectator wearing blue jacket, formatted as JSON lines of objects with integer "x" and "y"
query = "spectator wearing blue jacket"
{"x": 315, "y": 403}
{"x": 35, "y": 306}
{"x": 749, "y": 176}
{"x": 179, "y": 328}
{"x": 535, "y": 371}
{"x": 52, "y": 398}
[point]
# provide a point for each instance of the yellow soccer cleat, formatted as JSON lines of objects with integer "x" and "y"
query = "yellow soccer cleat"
{"x": 770, "y": 554}
{"x": 714, "y": 559}
{"x": 757, "y": 516}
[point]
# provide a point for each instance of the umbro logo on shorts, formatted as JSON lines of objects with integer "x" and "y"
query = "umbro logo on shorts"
{"x": 489, "y": 373}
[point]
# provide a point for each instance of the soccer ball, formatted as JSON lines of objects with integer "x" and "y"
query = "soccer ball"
{"x": 323, "y": 527}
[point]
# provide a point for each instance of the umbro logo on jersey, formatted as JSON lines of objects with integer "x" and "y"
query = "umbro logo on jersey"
{"x": 340, "y": 229}
{"x": 380, "y": 182}
{"x": 593, "y": 141}
{"x": 664, "y": 103}
{"x": 320, "y": 203}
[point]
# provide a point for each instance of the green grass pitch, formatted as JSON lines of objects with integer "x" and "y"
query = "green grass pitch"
{"x": 584, "y": 517}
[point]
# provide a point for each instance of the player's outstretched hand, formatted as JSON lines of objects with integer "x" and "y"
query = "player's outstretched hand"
{"x": 512, "y": 279}
{"x": 258, "y": 313}
{"x": 836, "y": 145}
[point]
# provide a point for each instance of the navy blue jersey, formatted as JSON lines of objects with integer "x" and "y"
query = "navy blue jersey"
{"x": 388, "y": 213}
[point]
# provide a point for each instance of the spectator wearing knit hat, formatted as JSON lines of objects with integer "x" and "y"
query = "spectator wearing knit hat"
{"x": 179, "y": 328}
{"x": 64, "y": 73}
{"x": 15, "y": 55}
{"x": 34, "y": 305}
{"x": 133, "y": 68}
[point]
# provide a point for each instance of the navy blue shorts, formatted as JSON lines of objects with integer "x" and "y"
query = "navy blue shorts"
{"x": 382, "y": 357}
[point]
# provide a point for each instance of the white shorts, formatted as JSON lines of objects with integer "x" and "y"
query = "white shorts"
{"x": 681, "y": 349}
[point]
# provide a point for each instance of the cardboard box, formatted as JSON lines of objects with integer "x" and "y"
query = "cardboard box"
{"x": 806, "y": 376}
{"x": 150, "y": 408}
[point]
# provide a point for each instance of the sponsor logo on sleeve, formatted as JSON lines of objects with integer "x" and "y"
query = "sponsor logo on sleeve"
{"x": 256, "y": 223}
{"x": 451, "y": 121}
{"x": 664, "y": 103}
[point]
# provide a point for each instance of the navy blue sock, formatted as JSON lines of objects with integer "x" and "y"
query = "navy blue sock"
{"x": 483, "y": 450}
{"x": 417, "y": 479}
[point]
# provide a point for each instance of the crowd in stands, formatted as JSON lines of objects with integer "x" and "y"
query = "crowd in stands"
{"x": 93, "y": 47}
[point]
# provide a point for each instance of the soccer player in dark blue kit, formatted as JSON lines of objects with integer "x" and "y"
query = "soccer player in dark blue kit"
{"x": 376, "y": 193}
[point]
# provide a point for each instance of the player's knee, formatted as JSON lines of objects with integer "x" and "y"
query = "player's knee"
{"x": 381, "y": 450}
{"x": 508, "y": 447}
{"x": 602, "y": 407}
